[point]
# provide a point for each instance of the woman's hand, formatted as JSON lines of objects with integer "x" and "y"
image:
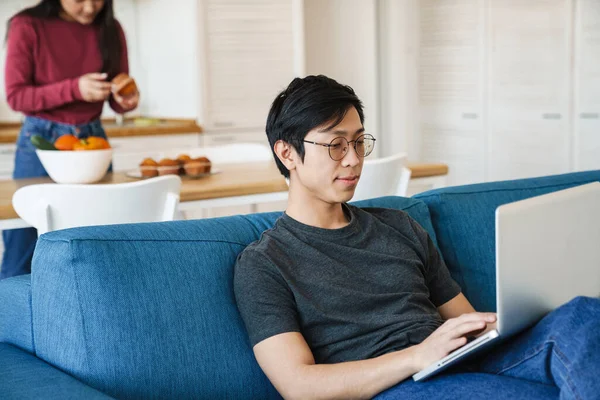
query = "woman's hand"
{"x": 93, "y": 87}
{"x": 128, "y": 103}
{"x": 450, "y": 336}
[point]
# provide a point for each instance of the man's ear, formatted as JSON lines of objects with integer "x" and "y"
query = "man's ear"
{"x": 286, "y": 154}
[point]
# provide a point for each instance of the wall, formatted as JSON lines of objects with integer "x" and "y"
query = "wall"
{"x": 168, "y": 57}
{"x": 341, "y": 42}
{"x": 398, "y": 77}
{"x": 7, "y": 9}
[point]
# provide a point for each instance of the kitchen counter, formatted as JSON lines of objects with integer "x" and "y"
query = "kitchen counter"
{"x": 244, "y": 179}
{"x": 424, "y": 170}
{"x": 130, "y": 127}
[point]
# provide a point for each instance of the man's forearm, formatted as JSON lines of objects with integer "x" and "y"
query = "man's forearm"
{"x": 355, "y": 379}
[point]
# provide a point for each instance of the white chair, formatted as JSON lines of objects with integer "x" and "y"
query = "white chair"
{"x": 52, "y": 206}
{"x": 386, "y": 176}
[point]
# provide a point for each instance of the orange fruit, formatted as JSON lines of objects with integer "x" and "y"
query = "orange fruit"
{"x": 91, "y": 143}
{"x": 98, "y": 142}
{"x": 65, "y": 142}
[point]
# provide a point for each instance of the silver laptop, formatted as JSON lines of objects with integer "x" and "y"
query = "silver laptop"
{"x": 547, "y": 253}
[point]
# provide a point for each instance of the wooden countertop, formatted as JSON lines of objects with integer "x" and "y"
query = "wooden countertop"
{"x": 233, "y": 180}
{"x": 10, "y": 130}
{"x": 421, "y": 170}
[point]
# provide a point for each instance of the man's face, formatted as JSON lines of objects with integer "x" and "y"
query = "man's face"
{"x": 321, "y": 177}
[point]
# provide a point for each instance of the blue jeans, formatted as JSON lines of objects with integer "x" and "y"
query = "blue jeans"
{"x": 20, "y": 243}
{"x": 559, "y": 357}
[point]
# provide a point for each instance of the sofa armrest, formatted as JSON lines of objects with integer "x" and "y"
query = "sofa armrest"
{"x": 24, "y": 376}
{"x": 15, "y": 312}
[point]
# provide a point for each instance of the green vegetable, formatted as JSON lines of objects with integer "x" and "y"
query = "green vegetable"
{"x": 41, "y": 143}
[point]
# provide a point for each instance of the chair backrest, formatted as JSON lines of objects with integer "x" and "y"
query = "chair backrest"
{"x": 52, "y": 206}
{"x": 383, "y": 177}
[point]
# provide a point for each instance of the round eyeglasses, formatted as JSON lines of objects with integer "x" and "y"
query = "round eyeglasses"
{"x": 339, "y": 146}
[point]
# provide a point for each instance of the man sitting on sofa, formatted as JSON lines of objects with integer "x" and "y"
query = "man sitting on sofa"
{"x": 342, "y": 302}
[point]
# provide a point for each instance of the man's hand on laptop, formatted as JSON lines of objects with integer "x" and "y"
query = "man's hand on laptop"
{"x": 450, "y": 336}
{"x": 489, "y": 327}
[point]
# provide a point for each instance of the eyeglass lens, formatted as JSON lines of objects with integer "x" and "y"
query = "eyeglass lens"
{"x": 339, "y": 147}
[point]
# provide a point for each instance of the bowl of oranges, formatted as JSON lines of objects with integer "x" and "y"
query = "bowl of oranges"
{"x": 73, "y": 160}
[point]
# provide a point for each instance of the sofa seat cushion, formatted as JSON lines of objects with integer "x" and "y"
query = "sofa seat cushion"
{"x": 464, "y": 221}
{"x": 15, "y": 312}
{"x": 25, "y": 376}
{"x": 147, "y": 310}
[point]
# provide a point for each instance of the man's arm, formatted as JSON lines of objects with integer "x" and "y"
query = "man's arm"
{"x": 456, "y": 307}
{"x": 289, "y": 364}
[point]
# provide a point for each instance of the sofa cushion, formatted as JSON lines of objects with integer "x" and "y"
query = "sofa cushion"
{"x": 25, "y": 376}
{"x": 15, "y": 312}
{"x": 147, "y": 310}
{"x": 417, "y": 209}
{"x": 464, "y": 221}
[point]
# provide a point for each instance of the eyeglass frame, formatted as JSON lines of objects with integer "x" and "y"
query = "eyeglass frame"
{"x": 330, "y": 145}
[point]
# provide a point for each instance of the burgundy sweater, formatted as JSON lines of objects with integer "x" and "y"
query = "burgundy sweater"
{"x": 44, "y": 60}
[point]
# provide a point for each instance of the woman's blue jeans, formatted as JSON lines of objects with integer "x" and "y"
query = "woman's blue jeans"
{"x": 558, "y": 358}
{"x": 20, "y": 243}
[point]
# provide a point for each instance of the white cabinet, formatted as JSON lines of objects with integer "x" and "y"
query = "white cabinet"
{"x": 451, "y": 87}
{"x": 508, "y": 88}
{"x": 219, "y": 138}
{"x": 128, "y": 152}
{"x": 586, "y": 121}
{"x": 249, "y": 54}
{"x": 529, "y": 83}
{"x": 7, "y": 160}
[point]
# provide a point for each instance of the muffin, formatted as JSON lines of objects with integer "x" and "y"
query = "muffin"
{"x": 167, "y": 166}
{"x": 197, "y": 166}
{"x": 149, "y": 168}
{"x": 124, "y": 85}
{"x": 182, "y": 158}
{"x": 205, "y": 162}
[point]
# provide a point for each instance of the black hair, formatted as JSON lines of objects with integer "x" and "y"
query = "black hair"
{"x": 109, "y": 41}
{"x": 308, "y": 103}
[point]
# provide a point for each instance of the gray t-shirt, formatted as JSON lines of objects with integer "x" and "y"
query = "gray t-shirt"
{"x": 354, "y": 293}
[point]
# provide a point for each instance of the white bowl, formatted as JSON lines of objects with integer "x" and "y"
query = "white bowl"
{"x": 80, "y": 166}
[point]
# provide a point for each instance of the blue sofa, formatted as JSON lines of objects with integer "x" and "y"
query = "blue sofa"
{"x": 147, "y": 310}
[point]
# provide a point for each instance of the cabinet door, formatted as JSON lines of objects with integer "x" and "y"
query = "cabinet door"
{"x": 587, "y": 85}
{"x": 220, "y": 138}
{"x": 529, "y": 78}
{"x": 7, "y": 160}
{"x": 249, "y": 58}
{"x": 128, "y": 152}
{"x": 450, "y": 87}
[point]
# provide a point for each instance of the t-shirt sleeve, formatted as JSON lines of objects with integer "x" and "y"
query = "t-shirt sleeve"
{"x": 264, "y": 299}
{"x": 22, "y": 92}
{"x": 442, "y": 287}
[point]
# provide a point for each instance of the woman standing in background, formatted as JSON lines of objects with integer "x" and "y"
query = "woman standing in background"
{"x": 61, "y": 56}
